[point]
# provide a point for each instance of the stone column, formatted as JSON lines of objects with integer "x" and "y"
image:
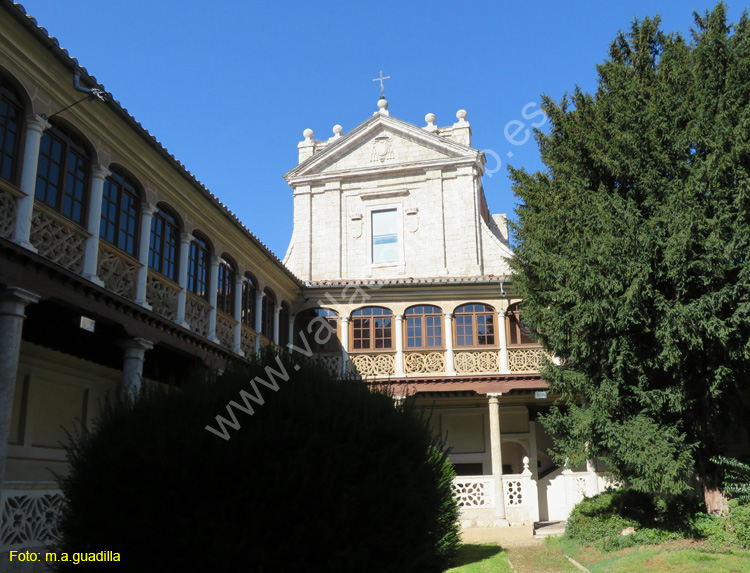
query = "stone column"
{"x": 132, "y": 367}
{"x": 399, "y": 345}
{"x": 276, "y": 311}
{"x": 503, "y": 342}
{"x": 13, "y": 301}
{"x": 344, "y": 343}
{"x": 213, "y": 285}
{"x": 147, "y": 212}
{"x": 99, "y": 174}
{"x": 259, "y": 295}
{"x": 182, "y": 275}
{"x": 238, "y": 314}
{"x": 496, "y": 450}
{"x": 35, "y": 125}
{"x": 290, "y": 346}
{"x": 450, "y": 368}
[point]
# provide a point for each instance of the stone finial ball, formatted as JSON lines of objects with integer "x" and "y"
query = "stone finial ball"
{"x": 383, "y": 103}
{"x": 461, "y": 114}
{"x": 337, "y": 129}
{"x": 430, "y": 118}
{"x": 308, "y": 133}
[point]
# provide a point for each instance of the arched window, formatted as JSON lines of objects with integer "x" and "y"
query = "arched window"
{"x": 62, "y": 175}
{"x": 11, "y": 120}
{"x": 266, "y": 320}
{"x": 284, "y": 324}
{"x": 424, "y": 326}
{"x": 372, "y": 329}
{"x": 248, "y": 301}
{"x": 198, "y": 267}
{"x": 225, "y": 287}
{"x": 120, "y": 213}
{"x": 319, "y": 327}
{"x": 518, "y": 332}
{"x": 164, "y": 244}
{"x": 475, "y": 325}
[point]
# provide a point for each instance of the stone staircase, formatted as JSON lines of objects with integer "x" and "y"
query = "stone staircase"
{"x": 549, "y": 528}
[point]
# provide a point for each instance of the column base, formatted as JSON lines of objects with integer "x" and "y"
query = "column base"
{"x": 26, "y": 245}
{"x": 144, "y": 304}
{"x": 451, "y": 373}
{"x": 94, "y": 279}
{"x": 238, "y": 351}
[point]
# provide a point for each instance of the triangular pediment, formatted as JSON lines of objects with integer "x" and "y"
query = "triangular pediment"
{"x": 382, "y": 142}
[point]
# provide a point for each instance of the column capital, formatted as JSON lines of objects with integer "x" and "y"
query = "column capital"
{"x": 344, "y": 320}
{"x": 449, "y": 315}
{"x": 399, "y": 317}
{"x": 276, "y": 308}
{"x": 37, "y": 123}
{"x": 148, "y": 208}
{"x": 494, "y": 397}
{"x": 215, "y": 260}
{"x": 136, "y": 343}
{"x": 18, "y": 295}
{"x": 100, "y": 172}
{"x": 186, "y": 237}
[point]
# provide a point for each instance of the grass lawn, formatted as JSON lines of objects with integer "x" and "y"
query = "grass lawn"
{"x": 486, "y": 558}
{"x": 678, "y": 556}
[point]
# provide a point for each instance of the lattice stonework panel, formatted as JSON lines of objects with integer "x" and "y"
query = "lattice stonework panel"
{"x": 225, "y": 331}
{"x": 472, "y": 362}
{"x": 117, "y": 272}
{"x": 247, "y": 341}
{"x": 196, "y": 314}
{"x": 513, "y": 492}
{"x": 29, "y": 519}
{"x": 162, "y": 296}
{"x": 7, "y": 214}
{"x": 473, "y": 493}
{"x": 419, "y": 362}
{"x": 330, "y": 361}
{"x": 59, "y": 242}
{"x": 579, "y": 489}
{"x": 374, "y": 364}
{"x": 526, "y": 359}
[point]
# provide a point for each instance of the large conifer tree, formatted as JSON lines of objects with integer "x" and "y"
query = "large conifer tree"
{"x": 632, "y": 254}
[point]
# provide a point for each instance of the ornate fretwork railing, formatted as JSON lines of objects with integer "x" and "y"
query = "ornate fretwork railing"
{"x": 57, "y": 238}
{"x": 330, "y": 361}
{"x": 247, "y": 341}
{"x": 8, "y": 195}
{"x": 161, "y": 294}
{"x": 474, "y": 491}
{"x": 117, "y": 270}
{"x": 476, "y": 361}
{"x": 29, "y": 514}
{"x": 370, "y": 365}
{"x": 197, "y": 313}
{"x": 526, "y": 359}
{"x": 225, "y": 330}
{"x": 424, "y": 362}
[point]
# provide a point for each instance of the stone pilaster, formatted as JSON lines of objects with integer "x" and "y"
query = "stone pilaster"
{"x": 35, "y": 126}
{"x": 238, "y": 314}
{"x": 132, "y": 367}
{"x": 213, "y": 281}
{"x": 399, "y": 345}
{"x": 147, "y": 213}
{"x": 91, "y": 259}
{"x": 182, "y": 276}
{"x": 344, "y": 343}
{"x": 450, "y": 368}
{"x": 496, "y": 452}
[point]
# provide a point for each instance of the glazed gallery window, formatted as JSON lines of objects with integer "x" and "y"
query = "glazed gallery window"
{"x": 475, "y": 325}
{"x": 372, "y": 329}
{"x": 319, "y": 326}
{"x": 164, "y": 244}
{"x": 384, "y": 236}
{"x": 11, "y": 119}
{"x": 120, "y": 213}
{"x": 225, "y": 287}
{"x": 62, "y": 174}
{"x": 198, "y": 266}
{"x": 518, "y": 332}
{"x": 248, "y": 301}
{"x": 423, "y": 327}
{"x": 267, "y": 318}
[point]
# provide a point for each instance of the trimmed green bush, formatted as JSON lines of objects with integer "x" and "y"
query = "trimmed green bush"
{"x": 325, "y": 475}
{"x": 731, "y": 530}
{"x": 601, "y": 520}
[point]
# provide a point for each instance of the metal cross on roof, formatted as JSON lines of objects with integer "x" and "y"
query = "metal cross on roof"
{"x": 380, "y": 79}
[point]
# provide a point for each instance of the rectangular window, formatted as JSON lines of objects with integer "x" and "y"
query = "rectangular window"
{"x": 384, "y": 236}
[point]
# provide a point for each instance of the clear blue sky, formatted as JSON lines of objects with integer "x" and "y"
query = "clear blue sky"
{"x": 228, "y": 87}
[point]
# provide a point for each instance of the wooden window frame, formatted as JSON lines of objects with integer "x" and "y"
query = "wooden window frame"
{"x": 475, "y": 315}
{"x": 423, "y": 327}
{"x": 160, "y": 246}
{"x": 266, "y": 317}
{"x": 10, "y": 98}
{"x": 514, "y": 328}
{"x": 124, "y": 188}
{"x": 372, "y": 329}
{"x": 225, "y": 285}
{"x": 247, "y": 314}
{"x": 73, "y": 202}
{"x": 199, "y": 259}
{"x": 333, "y": 344}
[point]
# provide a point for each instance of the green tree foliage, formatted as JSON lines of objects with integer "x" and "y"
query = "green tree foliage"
{"x": 632, "y": 254}
{"x": 317, "y": 475}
